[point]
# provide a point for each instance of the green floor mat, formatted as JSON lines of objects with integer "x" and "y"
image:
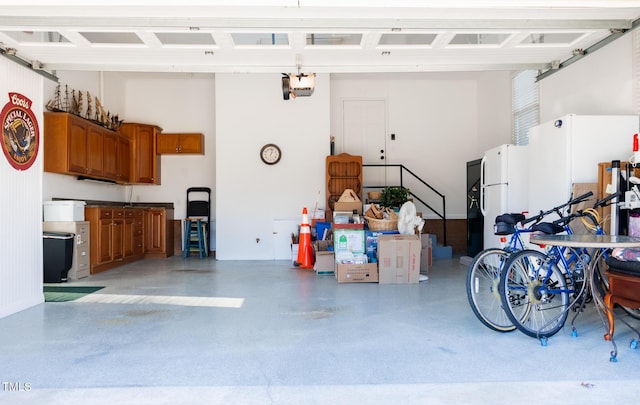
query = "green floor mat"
{"x": 66, "y": 293}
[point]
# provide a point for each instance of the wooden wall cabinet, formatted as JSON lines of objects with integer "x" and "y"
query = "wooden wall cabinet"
{"x": 117, "y": 157}
{"x": 159, "y": 232}
{"x": 75, "y": 146}
{"x": 145, "y": 163}
{"x": 178, "y": 143}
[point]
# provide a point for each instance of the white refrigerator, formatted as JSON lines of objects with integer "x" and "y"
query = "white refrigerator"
{"x": 503, "y": 186}
{"x": 567, "y": 151}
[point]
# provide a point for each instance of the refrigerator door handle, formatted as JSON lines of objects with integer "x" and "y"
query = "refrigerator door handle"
{"x": 483, "y": 210}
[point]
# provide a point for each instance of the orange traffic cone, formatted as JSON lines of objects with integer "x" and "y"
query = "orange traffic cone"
{"x": 305, "y": 250}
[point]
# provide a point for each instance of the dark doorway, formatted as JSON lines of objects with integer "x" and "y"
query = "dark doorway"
{"x": 475, "y": 220}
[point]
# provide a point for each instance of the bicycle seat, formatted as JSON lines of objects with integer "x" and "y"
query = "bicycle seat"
{"x": 510, "y": 219}
{"x": 548, "y": 228}
{"x": 503, "y": 228}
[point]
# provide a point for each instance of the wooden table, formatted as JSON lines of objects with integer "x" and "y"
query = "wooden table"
{"x": 600, "y": 243}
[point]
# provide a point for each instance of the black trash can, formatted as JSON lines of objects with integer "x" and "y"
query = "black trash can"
{"x": 57, "y": 255}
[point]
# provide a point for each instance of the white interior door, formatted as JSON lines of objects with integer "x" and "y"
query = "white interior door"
{"x": 364, "y": 128}
{"x": 282, "y": 230}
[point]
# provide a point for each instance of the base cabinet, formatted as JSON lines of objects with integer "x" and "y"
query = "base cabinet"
{"x": 159, "y": 232}
{"x": 133, "y": 233}
{"x": 123, "y": 235}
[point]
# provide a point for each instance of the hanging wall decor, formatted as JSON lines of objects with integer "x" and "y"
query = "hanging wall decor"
{"x": 20, "y": 134}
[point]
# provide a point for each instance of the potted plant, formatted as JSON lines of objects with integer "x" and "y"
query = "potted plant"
{"x": 394, "y": 197}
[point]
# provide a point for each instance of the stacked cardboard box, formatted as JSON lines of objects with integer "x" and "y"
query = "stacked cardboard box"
{"x": 399, "y": 259}
{"x": 351, "y": 259}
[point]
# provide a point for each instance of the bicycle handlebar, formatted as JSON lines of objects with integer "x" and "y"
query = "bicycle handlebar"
{"x": 604, "y": 201}
{"x": 557, "y": 209}
{"x": 581, "y": 213}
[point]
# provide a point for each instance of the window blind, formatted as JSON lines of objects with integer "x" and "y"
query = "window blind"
{"x": 524, "y": 105}
{"x": 636, "y": 71}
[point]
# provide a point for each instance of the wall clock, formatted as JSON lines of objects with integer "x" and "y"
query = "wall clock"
{"x": 270, "y": 154}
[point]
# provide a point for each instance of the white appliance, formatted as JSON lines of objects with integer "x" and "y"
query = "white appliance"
{"x": 503, "y": 186}
{"x": 567, "y": 151}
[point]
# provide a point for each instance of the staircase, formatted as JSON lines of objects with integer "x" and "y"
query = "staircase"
{"x": 439, "y": 251}
{"x": 425, "y": 197}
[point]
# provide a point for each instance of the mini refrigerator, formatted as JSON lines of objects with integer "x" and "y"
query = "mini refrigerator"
{"x": 503, "y": 186}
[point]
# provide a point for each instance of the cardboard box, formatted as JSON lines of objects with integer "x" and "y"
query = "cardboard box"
{"x": 426, "y": 256}
{"x": 399, "y": 259}
{"x": 323, "y": 245}
{"x": 348, "y": 242}
{"x": 348, "y": 206}
{"x": 357, "y": 273}
{"x": 325, "y": 263}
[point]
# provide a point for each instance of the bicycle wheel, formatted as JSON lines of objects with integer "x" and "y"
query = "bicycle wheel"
{"x": 482, "y": 289}
{"x": 534, "y": 294}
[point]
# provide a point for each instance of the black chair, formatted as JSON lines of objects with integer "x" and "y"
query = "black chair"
{"x": 197, "y": 222}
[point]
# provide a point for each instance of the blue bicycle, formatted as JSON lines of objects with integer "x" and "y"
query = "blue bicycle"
{"x": 483, "y": 276}
{"x": 538, "y": 288}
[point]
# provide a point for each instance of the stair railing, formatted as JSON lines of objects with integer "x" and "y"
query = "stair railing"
{"x": 442, "y": 213}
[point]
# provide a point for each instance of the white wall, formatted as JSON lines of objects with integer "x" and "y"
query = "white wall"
{"x": 21, "y": 262}
{"x": 252, "y": 196}
{"x": 598, "y": 84}
{"x": 108, "y": 88}
{"x": 176, "y": 103}
{"x": 441, "y": 121}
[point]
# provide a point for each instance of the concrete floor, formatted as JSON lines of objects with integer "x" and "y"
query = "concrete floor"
{"x": 263, "y": 332}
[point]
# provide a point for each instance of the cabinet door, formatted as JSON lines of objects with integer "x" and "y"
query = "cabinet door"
{"x": 191, "y": 143}
{"x": 145, "y": 162}
{"x": 77, "y": 144}
{"x": 155, "y": 232}
{"x": 118, "y": 239}
{"x": 95, "y": 150}
{"x": 168, "y": 143}
{"x": 124, "y": 159}
{"x": 111, "y": 156}
{"x": 105, "y": 229}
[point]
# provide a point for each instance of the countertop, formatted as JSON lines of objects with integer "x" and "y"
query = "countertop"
{"x": 119, "y": 204}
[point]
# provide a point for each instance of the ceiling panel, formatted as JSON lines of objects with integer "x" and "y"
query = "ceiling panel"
{"x": 328, "y": 36}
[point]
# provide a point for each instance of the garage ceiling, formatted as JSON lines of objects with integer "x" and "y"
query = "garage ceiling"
{"x": 322, "y": 36}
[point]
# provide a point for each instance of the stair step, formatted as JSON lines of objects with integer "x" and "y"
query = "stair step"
{"x": 439, "y": 251}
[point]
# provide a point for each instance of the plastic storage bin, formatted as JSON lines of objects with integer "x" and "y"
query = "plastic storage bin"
{"x": 57, "y": 256}
{"x": 67, "y": 210}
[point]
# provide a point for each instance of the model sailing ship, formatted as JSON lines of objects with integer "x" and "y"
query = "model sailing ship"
{"x": 75, "y": 105}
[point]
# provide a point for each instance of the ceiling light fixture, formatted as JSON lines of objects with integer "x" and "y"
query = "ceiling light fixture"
{"x": 297, "y": 85}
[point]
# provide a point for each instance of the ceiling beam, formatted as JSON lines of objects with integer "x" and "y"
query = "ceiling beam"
{"x": 131, "y": 23}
